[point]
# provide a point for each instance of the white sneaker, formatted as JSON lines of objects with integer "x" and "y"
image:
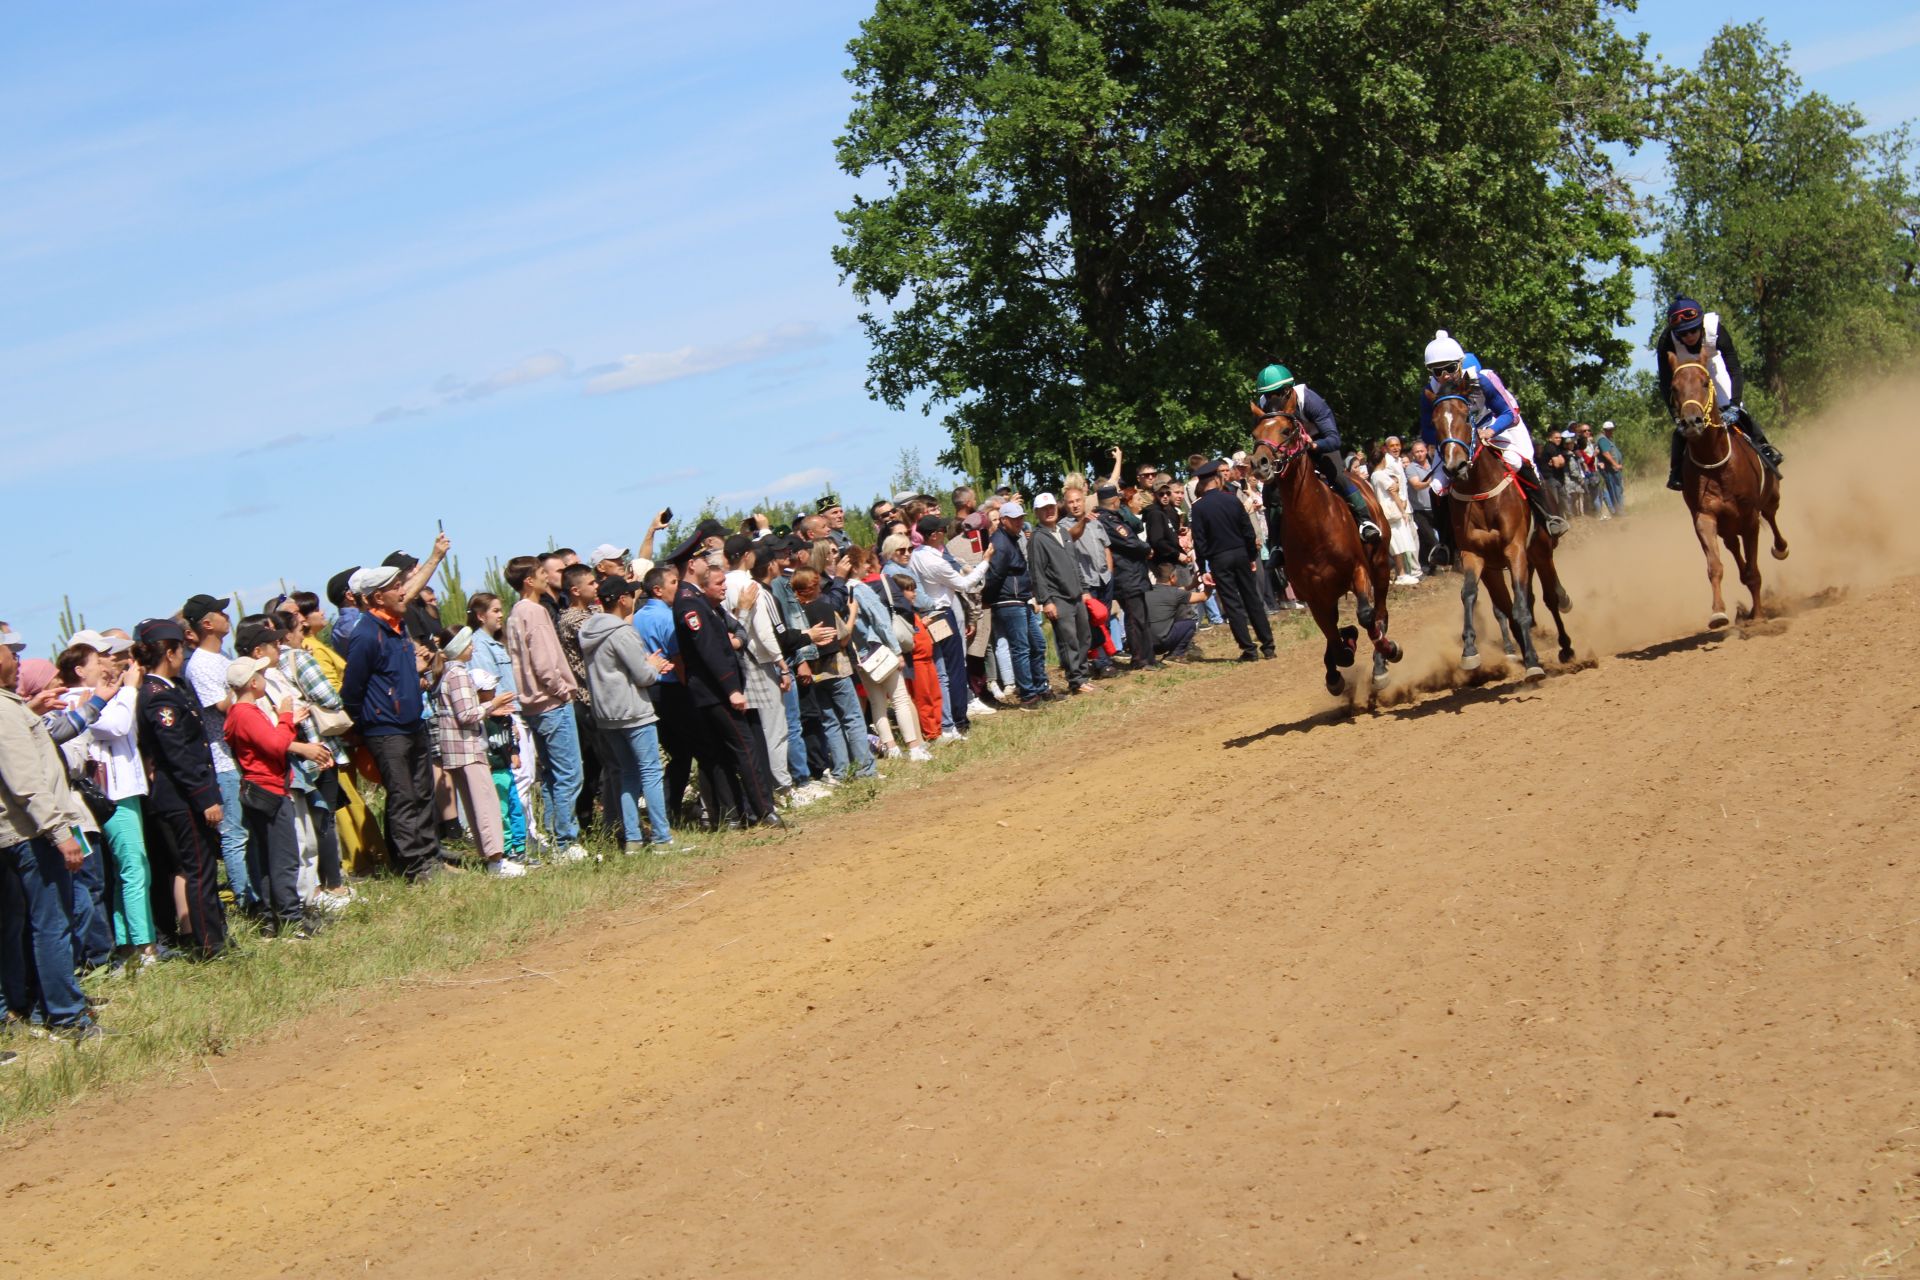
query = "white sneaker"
{"x": 994, "y": 688}
{"x": 952, "y": 735}
{"x": 505, "y": 868}
{"x": 1405, "y": 580}
{"x": 975, "y": 707}
{"x": 919, "y": 754}
{"x": 572, "y": 853}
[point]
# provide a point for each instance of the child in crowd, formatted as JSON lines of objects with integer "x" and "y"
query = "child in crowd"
{"x": 503, "y": 760}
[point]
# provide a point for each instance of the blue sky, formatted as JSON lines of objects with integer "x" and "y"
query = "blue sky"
{"x": 286, "y": 283}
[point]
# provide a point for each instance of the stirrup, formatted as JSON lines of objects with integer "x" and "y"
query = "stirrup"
{"x": 1369, "y": 531}
{"x": 1673, "y": 481}
{"x": 1772, "y": 456}
{"x": 1556, "y": 526}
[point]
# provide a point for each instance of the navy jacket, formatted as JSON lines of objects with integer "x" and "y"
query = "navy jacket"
{"x": 381, "y": 687}
{"x": 174, "y": 742}
{"x": 1007, "y": 581}
{"x": 1130, "y": 552}
{"x": 1221, "y": 529}
{"x": 707, "y": 664}
{"x": 1314, "y": 410}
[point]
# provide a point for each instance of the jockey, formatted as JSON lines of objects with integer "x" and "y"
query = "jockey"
{"x": 1495, "y": 415}
{"x": 1278, "y": 392}
{"x": 1689, "y": 332}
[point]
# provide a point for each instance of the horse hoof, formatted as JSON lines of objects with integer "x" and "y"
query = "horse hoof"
{"x": 1335, "y": 685}
{"x": 1381, "y": 679}
{"x": 1566, "y": 654}
{"x": 1566, "y": 601}
{"x": 1716, "y": 620}
{"x": 1394, "y": 652}
{"x": 1469, "y": 662}
{"x": 1536, "y": 673}
{"x": 1780, "y": 553}
{"x": 1512, "y": 652}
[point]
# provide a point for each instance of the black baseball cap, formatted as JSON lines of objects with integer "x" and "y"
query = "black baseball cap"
{"x": 337, "y": 587}
{"x": 198, "y": 607}
{"x": 738, "y": 545}
{"x": 612, "y": 588}
{"x": 251, "y": 635}
{"x": 402, "y": 561}
{"x": 1104, "y": 492}
{"x": 930, "y": 525}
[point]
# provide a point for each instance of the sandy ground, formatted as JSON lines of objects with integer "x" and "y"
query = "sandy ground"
{"x": 1610, "y": 975}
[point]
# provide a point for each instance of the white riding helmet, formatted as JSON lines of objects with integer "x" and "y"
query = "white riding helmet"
{"x": 1443, "y": 350}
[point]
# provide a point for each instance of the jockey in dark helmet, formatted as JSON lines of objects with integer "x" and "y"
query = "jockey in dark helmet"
{"x": 1494, "y": 415}
{"x": 1277, "y": 391}
{"x": 1689, "y": 333}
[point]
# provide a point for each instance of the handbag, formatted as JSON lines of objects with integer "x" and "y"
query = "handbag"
{"x": 902, "y": 629}
{"x": 328, "y": 723}
{"x": 879, "y": 663}
{"x": 92, "y": 786}
{"x": 255, "y": 798}
{"x": 941, "y": 628}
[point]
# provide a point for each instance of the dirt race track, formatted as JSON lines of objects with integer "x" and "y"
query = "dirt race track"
{"x": 1610, "y": 975}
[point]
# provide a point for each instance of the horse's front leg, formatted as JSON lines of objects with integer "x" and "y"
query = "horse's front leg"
{"x": 1706, "y": 528}
{"x": 1469, "y": 597}
{"x": 1746, "y": 559}
{"x": 1514, "y": 603}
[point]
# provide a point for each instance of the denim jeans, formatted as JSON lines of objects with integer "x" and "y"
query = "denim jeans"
{"x": 796, "y": 736}
{"x": 1614, "y": 490}
{"x": 846, "y": 727}
{"x": 642, "y": 776}
{"x": 48, "y": 922}
{"x": 1020, "y": 624}
{"x": 559, "y": 741}
{"x": 92, "y": 920}
{"x": 233, "y": 841}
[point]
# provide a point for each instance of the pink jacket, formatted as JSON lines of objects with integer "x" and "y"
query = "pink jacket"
{"x": 540, "y": 670}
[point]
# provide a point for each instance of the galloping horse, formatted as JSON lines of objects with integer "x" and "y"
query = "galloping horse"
{"x": 1494, "y": 530}
{"x": 1726, "y": 485}
{"x": 1325, "y": 557}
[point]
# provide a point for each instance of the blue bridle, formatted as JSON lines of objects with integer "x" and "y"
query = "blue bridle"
{"x": 1471, "y": 444}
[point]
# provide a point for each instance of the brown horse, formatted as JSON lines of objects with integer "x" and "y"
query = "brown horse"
{"x": 1325, "y": 557}
{"x": 1727, "y": 487}
{"x": 1497, "y": 538}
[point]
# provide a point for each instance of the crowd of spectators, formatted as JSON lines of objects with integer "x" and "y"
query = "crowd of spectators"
{"x": 155, "y": 779}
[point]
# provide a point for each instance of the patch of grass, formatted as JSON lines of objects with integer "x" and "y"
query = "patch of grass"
{"x": 181, "y": 1016}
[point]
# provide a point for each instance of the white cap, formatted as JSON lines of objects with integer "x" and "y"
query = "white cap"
{"x": 1607, "y": 425}
{"x": 99, "y": 643}
{"x": 241, "y": 671}
{"x": 1045, "y": 500}
{"x": 372, "y": 578}
{"x": 11, "y": 638}
{"x": 606, "y": 551}
{"x": 1443, "y": 349}
{"x": 1011, "y": 509}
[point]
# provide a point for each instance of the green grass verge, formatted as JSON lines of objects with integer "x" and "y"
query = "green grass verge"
{"x": 182, "y": 1017}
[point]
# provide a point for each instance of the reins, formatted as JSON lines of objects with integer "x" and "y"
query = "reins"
{"x": 1471, "y": 447}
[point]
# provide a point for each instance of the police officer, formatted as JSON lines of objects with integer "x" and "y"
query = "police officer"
{"x": 1223, "y": 542}
{"x": 1126, "y": 535}
{"x": 716, "y": 691}
{"x": 183, "y": 797}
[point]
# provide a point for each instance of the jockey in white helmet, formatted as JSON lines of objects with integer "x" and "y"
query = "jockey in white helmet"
{"x": 1495, "y": 415}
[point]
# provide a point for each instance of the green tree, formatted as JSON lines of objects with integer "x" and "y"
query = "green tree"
{"x": 1788, "y": 219}
{"x": 1089, "y": 223}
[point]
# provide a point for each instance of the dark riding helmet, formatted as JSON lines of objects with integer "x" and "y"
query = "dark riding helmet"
{"x": 1684, "y": 316}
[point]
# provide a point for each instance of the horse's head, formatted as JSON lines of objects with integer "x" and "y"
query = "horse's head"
{"x": 1452, "y": 424}
{"x": 1276, "y": 437}
{"x": 1691, "y": 397}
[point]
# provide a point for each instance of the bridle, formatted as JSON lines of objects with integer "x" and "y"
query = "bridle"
{"x": 1270, "y": 457}
{"x": 1472, "y": 447}
{"x": 1709, "y": 416}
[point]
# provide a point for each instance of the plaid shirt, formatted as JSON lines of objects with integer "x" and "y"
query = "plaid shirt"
{"x": 304, "y": 670}
{"x": 459, "y": 719}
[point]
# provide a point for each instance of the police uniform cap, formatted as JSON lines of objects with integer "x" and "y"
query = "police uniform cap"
{"x": 1211, "y": 468}
{"x": 159, "y": 631}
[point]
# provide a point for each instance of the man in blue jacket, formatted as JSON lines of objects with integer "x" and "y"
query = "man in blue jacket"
{"x": 1008, "y": 591}
{"x": 381, "y": 691}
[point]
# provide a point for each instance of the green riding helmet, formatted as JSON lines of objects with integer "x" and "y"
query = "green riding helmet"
{"x": 1275, "y": 377}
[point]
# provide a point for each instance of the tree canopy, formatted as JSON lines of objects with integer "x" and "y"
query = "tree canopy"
{"x": 1090, "y": 223}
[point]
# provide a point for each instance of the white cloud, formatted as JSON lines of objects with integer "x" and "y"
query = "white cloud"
{"x": 1843, "y": 50}
{"x": 450, "y": 390}
{"x": 792, "y": 482}
{"x": 651, "y": 368}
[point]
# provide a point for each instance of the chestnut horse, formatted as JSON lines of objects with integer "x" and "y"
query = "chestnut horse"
{"x": 1726, "y": 485}
{"x": 1494, "y": 530}
{"x": 1325, "y": 557}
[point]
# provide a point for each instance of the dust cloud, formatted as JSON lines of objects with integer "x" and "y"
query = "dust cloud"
{"x": 1641, "y": 580}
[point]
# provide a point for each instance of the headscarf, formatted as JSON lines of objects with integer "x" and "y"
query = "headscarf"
{"x": 35, "y": 675}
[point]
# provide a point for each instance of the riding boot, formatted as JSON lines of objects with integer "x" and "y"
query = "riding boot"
{"x": 1772, "y": 456}
{"x": 1553, "y": 523}
{"x": 1673, "y": 460}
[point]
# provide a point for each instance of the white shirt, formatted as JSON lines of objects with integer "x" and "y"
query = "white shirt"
{"x": 114, "y": 741}
{"x": 941, "y": 581}
{"x": 206, "y": 675}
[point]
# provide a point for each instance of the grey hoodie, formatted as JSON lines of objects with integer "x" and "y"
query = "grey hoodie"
{"x": 618, "y": 673}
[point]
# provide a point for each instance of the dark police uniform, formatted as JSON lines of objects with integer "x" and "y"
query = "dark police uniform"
{"x": 1223, "y": 542}
{"x": 726, "y": 743}
{"x": 1130, "y": 582}
{"x": 174, "y": 743}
